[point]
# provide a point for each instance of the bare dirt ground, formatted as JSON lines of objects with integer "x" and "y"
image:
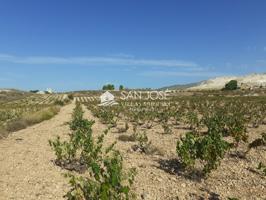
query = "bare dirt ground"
{"x": 27, "y": 170}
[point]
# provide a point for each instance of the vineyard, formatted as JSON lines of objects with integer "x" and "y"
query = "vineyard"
{"x": 183, "y": 147}
{"x": 12, "y": 111}
{"x": 85, "y": 99}
{"x": 132, "y": 100}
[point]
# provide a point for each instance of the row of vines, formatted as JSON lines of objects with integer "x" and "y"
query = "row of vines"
{"x": 215, "y": 125}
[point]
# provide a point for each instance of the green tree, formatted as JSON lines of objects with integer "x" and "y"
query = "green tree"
{"x": 109, "y": 87}
{"x": 231, "y": 85}
{"x": 121, "y": 87}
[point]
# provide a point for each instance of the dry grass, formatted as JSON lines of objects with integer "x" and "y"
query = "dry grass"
{"x": 32, "y": 118}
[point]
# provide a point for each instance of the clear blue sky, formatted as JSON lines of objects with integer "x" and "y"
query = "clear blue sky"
{"x": 83, "y": 44}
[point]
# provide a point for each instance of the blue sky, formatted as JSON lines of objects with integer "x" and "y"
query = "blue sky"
{"x": 82, "y": 44}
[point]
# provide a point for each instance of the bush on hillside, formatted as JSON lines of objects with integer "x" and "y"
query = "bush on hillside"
{"x": 231, "y": 85}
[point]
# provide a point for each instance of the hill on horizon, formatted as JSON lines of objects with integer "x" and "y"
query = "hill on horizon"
{"x": 180, "y": 86}
{"x": 244, "y": 82}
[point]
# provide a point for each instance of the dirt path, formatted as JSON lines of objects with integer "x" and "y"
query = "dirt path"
{"x": 26, "y": 170}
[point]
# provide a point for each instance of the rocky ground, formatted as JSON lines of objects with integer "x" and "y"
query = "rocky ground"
{"x": 27, "y": 170}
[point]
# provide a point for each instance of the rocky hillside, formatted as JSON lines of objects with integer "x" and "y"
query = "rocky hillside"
{"x": 244, "y": 82}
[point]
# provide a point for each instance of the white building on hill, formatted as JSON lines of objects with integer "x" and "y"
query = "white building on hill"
{"x": 40, "y": 92}
{"x": 49, "y": 91}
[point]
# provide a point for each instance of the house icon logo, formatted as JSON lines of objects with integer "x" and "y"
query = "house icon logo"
{"x": 107, "y": 99}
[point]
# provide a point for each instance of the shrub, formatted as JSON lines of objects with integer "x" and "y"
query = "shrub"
{"x": 229, "y": 124}
{"x": 77, "y": 118}
{"x": 144, "y": 145}
{"x": 212, "y": 149}
{"x": 64, "y": 151}
{"x": 107, "y": 116}
{"x": 209, "y": 149}
{"x": 231, "y": 85}
{"x": 143, "y": 141}
{"x": 187, "y": 149}
{"x": 215, "y": 122}
{"x": 106, "y": 179}
{"x": 80, "y": 140}
{"x": 193, "y": 120}
{"x": 236, "y": 128}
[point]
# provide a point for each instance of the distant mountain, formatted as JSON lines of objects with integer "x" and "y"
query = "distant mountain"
{"x": 11, "y": 90}
{"x": 180, "y": 86}
{"x": 7, "y": 95}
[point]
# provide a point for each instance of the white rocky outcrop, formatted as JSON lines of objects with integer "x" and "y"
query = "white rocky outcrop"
{"x": 244, "y": 82}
